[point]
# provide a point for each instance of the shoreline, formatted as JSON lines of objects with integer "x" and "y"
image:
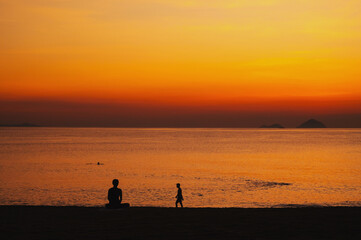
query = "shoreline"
{"x": 74, "y": 222}
{"x": 293, "y": 206}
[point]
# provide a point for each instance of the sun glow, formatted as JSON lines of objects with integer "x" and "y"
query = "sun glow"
{"x": 225, "y": 55}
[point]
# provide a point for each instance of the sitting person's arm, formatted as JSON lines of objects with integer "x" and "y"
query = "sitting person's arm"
{"x": 120, "y": 195}
{"x": 109, "y": 195}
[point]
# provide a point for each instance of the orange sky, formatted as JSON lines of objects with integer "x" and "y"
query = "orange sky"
{"x": 279, "y": 58}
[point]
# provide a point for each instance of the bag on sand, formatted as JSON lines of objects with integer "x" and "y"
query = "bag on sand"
{"x": 122, "y": 205}
{"x": 125, "y": 205}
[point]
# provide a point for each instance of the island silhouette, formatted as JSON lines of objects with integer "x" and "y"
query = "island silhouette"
{"x": 312, "y": 123}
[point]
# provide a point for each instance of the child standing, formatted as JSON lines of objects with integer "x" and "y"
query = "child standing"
{"x": 179, "y": 196}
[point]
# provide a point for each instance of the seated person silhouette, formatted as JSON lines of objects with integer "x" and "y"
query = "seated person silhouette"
{"x": 115, "y": 197}
{"x": 179, "y": 196}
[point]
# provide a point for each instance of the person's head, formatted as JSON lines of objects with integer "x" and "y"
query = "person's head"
{"x": 178, "y": 185}
{"x": 115, "y": 182}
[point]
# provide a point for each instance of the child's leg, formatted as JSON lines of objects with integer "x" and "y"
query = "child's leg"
{"x": 181, "y": 203}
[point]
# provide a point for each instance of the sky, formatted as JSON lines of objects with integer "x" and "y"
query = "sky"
{"x": 180, "y": 63}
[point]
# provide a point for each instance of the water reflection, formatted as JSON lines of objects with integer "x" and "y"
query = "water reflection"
{"x": 217, "y": 167}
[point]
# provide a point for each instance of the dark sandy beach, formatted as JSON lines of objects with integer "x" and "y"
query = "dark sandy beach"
{"x": 27, "y": 222}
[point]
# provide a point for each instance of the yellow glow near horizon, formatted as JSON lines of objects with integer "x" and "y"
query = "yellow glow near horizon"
{"x": 189, "y": 51}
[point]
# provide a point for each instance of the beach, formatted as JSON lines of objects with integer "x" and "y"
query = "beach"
{"x": 47, "y": 222}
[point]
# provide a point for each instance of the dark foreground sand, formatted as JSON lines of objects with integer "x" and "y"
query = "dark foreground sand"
{"x": 21, "y": 222}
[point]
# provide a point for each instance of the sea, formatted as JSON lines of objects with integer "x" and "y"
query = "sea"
{"x": 215, "y": 167}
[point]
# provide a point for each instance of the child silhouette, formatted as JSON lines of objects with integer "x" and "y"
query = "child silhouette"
{"x": 179, "y": 196}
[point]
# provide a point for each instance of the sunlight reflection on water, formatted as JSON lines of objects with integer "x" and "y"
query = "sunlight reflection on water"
{"x": 216, "y": 167}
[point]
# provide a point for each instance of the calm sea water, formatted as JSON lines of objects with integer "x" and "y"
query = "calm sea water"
{"x": 216, "y": 167}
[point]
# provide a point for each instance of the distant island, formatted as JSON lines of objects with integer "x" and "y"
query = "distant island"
{"x": 312, "y": 123}
{"x": 276, "y": 125}
{"x": 20, "y": 125}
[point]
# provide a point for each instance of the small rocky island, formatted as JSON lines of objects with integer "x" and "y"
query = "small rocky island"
{"x": 312, "y": 123}
{"x": 276, "y": 125}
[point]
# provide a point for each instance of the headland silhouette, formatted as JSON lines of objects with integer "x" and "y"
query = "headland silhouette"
{"x": 312, "y": 123}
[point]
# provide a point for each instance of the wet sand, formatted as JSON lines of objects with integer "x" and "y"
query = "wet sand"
{"x": 27, "y": 222}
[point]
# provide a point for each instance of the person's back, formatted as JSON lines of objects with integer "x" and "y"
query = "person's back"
{"x": 115, "y": 196}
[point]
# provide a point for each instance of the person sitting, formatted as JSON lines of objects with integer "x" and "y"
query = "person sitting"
{"x": 115, "y": 196}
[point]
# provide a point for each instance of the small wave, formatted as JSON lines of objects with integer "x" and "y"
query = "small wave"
{"x": 320, "y": 205}
{"x": 264, "y": 184}
{"x": 298, "y": 206}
